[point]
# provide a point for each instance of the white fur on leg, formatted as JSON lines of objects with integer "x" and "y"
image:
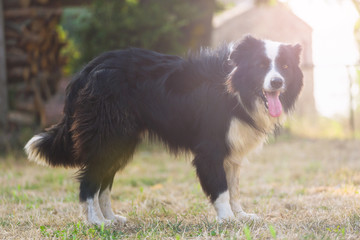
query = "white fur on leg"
{"x": 93, "y": 212}
{"x": 232, "y": 169}
{"x": 223, "y": 208}
{"x": 105, "y": 206}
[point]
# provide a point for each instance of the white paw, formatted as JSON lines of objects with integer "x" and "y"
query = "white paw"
{"x": 222, "y": 220}
{"x": 243, "y": 216}
{"x": 107, "y": 222}
{"x": 99, "y": 223}
{"x": 225, "y": 217}
{"x": 119, "y": 219}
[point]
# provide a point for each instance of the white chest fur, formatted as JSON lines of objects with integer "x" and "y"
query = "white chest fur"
{"x": 244, "y": 139}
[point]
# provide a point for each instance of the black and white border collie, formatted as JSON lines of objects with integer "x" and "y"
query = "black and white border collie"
{"x": 220, "y": 105}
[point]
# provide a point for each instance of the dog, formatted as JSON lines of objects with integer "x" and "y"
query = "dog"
{"x": 218, "y": 104}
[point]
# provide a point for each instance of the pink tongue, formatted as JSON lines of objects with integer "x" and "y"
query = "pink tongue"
{"x": 274, "y": 104}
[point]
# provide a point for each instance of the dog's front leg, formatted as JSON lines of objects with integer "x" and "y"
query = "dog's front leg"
{"x": 211, "y": 173}
{"x": 223, "y": 207}
{"x": 232, "y": 169}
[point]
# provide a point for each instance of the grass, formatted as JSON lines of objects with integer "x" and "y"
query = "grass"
{"x": 301, "y": 188}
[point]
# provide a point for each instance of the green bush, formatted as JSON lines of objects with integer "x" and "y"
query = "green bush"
{"x": 169, "y": 26}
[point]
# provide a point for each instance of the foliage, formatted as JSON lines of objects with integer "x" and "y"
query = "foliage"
{"x": 266, "y": 2}
{"x": 79, "y": 231}
{"x": 70, "y": 51}
{"x": 160, "y": 25}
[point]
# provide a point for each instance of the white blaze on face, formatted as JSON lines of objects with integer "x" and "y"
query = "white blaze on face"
{"x": 271, "y": 94}
{"x": 272, "y": 51}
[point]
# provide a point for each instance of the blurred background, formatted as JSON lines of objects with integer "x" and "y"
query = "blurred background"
{"x": 44, "y": 42}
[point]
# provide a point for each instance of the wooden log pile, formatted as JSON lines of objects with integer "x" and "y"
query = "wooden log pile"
{"x": 33, "y": 57}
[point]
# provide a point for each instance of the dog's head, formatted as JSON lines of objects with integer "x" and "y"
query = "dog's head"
{"x": 268, "y": 71}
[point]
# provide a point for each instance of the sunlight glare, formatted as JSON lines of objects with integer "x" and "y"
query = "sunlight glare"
{"x": 334, "y": 48}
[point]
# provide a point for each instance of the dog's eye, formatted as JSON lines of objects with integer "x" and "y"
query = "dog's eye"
{"x": 285, "y": 66}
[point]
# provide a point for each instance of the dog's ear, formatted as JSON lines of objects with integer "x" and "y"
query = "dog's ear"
{"x": 297, "y": 48}
{"x": 242, "y": 48}
{"x": 296, "y": 51}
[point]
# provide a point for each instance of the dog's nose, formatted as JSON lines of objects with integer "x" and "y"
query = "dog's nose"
{"x": 276, "y": 82}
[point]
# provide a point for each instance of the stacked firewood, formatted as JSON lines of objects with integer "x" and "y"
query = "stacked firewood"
{"x": 33, "y": 57}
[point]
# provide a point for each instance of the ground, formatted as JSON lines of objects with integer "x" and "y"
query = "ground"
{"x": 301, "y": 188}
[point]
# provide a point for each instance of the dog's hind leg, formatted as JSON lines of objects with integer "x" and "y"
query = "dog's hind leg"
{"x": 105, "y": 201}
{"x": 124, "y": 151}
{"x": 97, "y": 178}
{"x": 90, "y": 183}
{"x": 104, "y": 136}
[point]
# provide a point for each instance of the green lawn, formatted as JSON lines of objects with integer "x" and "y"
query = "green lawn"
{"x": 302, "y": 189}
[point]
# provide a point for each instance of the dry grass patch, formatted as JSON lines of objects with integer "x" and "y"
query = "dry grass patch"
{"x": 302, "y": 189}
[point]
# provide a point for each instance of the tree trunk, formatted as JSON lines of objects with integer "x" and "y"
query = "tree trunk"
{"x": 3, "y": 81}
{"x": 200, "y": 29}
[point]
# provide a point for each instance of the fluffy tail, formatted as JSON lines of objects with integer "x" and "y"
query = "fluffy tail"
{"x": 53, "y": 147}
